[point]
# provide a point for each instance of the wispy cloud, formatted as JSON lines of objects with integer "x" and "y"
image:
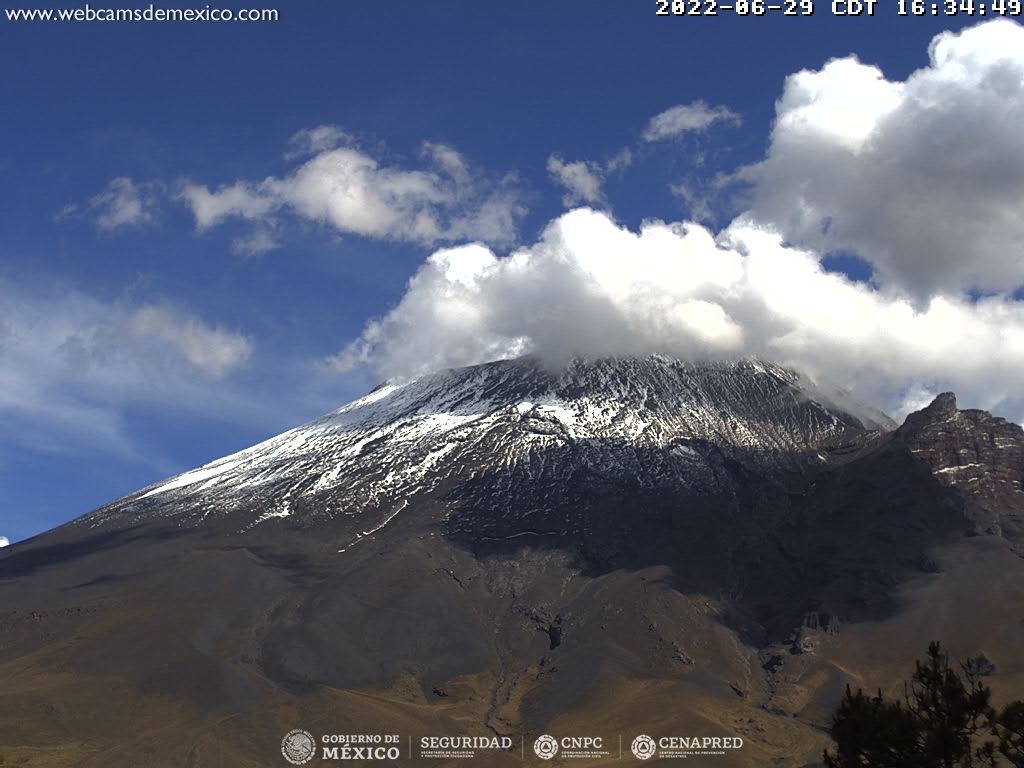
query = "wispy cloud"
{"x": 214, "y": 352}
{"x": 70, "y": 364}
{"x": 241, "y": 200}
{"x": 581, "y": 180}
{"x": 685, "y": 118}
{"x": 255, "y": 243}
{"x": 122, "y": 204}
{"x": 313, "y": 141}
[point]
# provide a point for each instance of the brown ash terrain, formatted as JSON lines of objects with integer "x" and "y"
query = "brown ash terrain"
{"x": 623, "y": 547}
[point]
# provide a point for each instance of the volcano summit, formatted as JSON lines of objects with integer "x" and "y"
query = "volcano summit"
{"x": 628, "y": 546}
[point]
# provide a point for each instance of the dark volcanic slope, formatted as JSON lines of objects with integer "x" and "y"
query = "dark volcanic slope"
{"x": 630, "y": 546}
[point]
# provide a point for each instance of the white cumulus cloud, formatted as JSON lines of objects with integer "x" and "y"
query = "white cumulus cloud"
{"x": 4, "y": 542}
{"x": 922, "y": 178}
{"x": 353, "y": 192}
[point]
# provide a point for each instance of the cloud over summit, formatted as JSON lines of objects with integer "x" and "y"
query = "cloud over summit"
{"x": 593, "y": 288}
{"x": 923, "y": 179}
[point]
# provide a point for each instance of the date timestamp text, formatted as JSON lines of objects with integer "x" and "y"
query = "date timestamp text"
{"x": 977, "y": 8}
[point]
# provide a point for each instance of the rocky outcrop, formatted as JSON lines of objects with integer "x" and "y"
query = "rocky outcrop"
{"x": 980, "y": 456}
{"x": 815, "y": 626}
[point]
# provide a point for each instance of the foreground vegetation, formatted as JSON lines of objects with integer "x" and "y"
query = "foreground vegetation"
{"x": 945, "y": 719}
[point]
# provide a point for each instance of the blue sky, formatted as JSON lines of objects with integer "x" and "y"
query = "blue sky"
{"x": 151, "y": 329}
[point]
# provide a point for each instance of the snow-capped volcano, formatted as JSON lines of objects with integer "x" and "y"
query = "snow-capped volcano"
{"x": 653, "y": 422}
{"x": 633, "y": 545}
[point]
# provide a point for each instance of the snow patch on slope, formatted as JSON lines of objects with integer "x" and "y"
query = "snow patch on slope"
{"x": 195, "y": 476}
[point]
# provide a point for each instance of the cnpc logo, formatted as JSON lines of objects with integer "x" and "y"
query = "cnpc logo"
{"x": 546, "y": 747}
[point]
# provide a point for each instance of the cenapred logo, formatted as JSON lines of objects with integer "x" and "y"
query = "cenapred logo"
{"x": 546, "y": 747}
{"x": 298, "y": 747}
{"x": 643, "y": 747}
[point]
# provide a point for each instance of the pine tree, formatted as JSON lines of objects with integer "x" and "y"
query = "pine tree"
{"x": 1011, "y": 733}
{"x": 945, "y": 720}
